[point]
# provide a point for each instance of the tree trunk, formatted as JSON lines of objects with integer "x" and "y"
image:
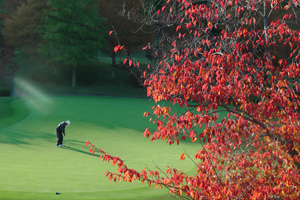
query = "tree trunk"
{"x": 74, "y": 77}
{"x": 48, "y": 59}
{"x": 128, "y": 54}
{"x": 293, "y": 153}
{"x": 113, "y": 64}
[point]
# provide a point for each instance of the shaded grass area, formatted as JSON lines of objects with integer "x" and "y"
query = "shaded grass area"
{"x": 93, "y": 77}
{"x": 32, "y": 167}
{"x": 12, "y": 112}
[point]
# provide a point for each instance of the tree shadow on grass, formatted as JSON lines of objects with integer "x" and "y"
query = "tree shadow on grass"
{"x": 70, "y": 148}
{"x": 25, "y": 138}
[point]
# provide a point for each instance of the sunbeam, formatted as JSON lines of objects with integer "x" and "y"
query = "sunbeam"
{"x": 36, "y": 98}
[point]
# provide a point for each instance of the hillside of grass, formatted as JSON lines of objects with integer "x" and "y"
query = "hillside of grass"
{"x": 32, "y": 167}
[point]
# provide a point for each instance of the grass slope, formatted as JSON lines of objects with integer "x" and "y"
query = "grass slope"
{"x": 32, "y": 167}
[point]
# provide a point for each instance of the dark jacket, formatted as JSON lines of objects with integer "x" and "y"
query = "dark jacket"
{"x": 61, "y": 128}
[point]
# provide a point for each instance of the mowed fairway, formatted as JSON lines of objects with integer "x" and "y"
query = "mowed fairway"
{"x": 32, "y": 167}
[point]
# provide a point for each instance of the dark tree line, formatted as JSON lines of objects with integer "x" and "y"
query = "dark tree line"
{"x": 71, "y": 32}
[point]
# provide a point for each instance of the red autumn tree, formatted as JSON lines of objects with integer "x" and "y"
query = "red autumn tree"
{"x": 241, "y": 56}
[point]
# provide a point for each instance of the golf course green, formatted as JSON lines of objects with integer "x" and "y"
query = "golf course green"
{"x": 32, "y": 167}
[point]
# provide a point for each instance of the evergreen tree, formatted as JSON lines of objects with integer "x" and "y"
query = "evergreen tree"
{"x": 72, "y": 32}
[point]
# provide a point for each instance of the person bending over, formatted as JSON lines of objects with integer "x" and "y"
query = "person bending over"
{"x": 60, "y": 130}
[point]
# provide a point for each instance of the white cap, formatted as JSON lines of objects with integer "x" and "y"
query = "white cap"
{"x": 68, "y": 123}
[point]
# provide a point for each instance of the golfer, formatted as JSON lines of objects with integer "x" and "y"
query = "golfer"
{"x": 60, "y": 129}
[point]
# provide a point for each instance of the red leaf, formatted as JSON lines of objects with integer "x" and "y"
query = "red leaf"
{"x": 101, "y": 150}
{"x": 125, "y": 60}
{"x": 182, "y": 157}
{"x": 183, "y": 137}
{"x": 110, "y": 177}
{"x": 147, "y": 132}
{"x": 222, "y": 4}
{"x": 227, "y": 168}
{"x": 209, "y": 25}
{"x": 280, "y": 161}
{"x": 116, "y": 49}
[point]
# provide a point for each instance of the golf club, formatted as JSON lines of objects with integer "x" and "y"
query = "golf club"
{"x": 67, "y": 141}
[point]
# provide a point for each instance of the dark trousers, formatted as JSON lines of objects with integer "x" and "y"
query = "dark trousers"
{"x": 59, "y": 138}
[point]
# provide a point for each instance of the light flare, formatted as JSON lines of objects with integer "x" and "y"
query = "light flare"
{"x": 35, "y": 97}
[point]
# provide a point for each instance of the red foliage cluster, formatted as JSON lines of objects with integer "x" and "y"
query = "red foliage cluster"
{"x": 240, "y": 57}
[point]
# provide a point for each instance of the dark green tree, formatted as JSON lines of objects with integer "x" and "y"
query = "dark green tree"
{"x": 2, "y": 16}
{"x": 7, "y": 65}
{"x": 71, "y": 31}
{"x": 20, "y": 29}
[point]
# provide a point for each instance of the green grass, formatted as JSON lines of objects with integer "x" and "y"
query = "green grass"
{"x": 32, "y": 167}
{"x": 8, "y": 110}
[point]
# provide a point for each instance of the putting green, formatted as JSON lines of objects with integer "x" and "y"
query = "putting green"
{"x": 32, "y": 167}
